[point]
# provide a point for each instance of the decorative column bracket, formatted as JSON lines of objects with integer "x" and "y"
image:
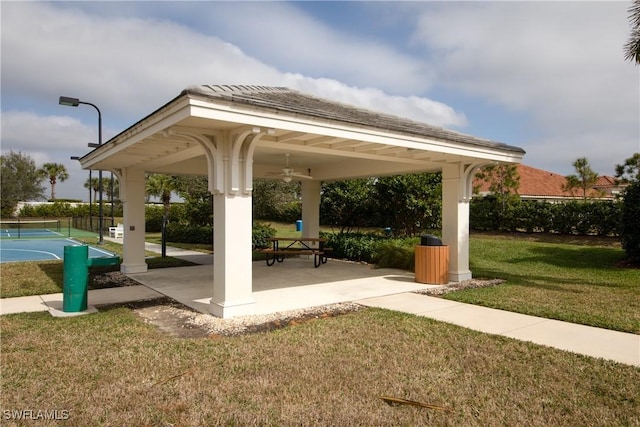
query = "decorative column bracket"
{"x": 229, "y": 157}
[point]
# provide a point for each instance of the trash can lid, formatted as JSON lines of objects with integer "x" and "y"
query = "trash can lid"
{"x": 430, "y": 240}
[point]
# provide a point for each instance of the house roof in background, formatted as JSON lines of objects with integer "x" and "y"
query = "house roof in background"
{"x": 540, "y": 183}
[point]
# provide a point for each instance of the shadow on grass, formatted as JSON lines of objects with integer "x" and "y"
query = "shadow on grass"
{"x": 575, "y": 257}
{"x": 54, "y": 271}
{"x": 550, "y": 283}
{"x": 566, "y": 239}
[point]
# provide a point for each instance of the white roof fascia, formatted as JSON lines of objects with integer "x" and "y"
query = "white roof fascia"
{"x": 260, "y": 118}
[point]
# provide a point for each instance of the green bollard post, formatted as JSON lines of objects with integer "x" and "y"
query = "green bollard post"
{"x": 76, "y": 277}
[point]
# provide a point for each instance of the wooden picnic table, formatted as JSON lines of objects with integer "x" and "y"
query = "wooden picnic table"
{"x": 287, "y": 246}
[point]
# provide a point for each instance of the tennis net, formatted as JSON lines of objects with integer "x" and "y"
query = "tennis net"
{"x": 30, "y": 228}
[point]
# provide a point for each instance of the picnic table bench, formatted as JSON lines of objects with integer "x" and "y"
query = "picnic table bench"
{"x": 297, "y": 246}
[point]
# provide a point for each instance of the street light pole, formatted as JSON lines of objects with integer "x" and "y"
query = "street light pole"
{"x": 74, "y": 102}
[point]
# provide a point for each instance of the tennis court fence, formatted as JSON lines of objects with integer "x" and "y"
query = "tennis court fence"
{"x": 46, "y": 227}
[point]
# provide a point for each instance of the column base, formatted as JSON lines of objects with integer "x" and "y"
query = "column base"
{"x": 459, "y": 276}
{"x": 133, "y": 268}
{"x": 227, "y": 309}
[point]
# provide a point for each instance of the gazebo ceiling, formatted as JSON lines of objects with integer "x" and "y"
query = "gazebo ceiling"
{"x": 328, "y": 139}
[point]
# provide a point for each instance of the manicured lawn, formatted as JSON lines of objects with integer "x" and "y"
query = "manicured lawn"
{"x": 47, "y": 277}
{"x": 110, "y": 368}
{"x": 581, "y": 281}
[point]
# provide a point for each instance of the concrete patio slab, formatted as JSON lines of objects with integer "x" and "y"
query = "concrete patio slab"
{"x": 293, "y": 284}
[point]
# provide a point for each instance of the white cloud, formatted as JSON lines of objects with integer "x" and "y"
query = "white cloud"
{"x": 281, "y": 33}
{"x": 561, "y": 62}
{"x": 50, "y": 139}
{"x": 130, "y": 66}
{"x": 412, "y": 107}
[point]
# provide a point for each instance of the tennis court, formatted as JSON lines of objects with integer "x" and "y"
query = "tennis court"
{"x": 40, "y": 241}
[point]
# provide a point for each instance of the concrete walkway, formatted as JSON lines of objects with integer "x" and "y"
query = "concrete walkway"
{"x": 587, "y": 340}
{"x": 51, "y": 302}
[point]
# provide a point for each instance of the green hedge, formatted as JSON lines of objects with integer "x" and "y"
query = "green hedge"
{"x": 601, "y": 218}
{"x": 187, "y": 233}
{"x": 203, "y": 234}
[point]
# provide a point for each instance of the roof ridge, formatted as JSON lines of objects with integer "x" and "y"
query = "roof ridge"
{"x": 236, "y": 89}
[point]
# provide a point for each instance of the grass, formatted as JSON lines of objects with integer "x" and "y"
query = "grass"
{"x": 112, "y": 369}
{"x": 47, "y": 277}
{"x": 580, "y": 281}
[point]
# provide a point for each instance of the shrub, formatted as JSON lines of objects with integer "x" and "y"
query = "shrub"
{"x": 396, "y": 253}
{"x": 187, "y": 233}
{"x": 353, "y": 246}
{"x": 153, "y": 217}
{"x": 261, "y": 233}
{"x": 573, "y": 217}
{"x": 631, "y": 222}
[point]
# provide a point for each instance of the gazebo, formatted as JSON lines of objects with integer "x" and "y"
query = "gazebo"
{"x": 232, "y": 134}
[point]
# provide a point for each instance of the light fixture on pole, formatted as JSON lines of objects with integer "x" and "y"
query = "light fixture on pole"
{"x": 74, "y": 102}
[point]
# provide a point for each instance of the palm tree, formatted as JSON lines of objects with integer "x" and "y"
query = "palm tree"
{"x": 161, "y": 186}
{"x": 632, "y": 47}
{"x": 112, "y": 183}
{"x": 55, "y": 172}
{"x": 94, "y": 185}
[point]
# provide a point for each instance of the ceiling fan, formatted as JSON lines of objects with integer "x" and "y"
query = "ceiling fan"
{"x": 289, "y": 173}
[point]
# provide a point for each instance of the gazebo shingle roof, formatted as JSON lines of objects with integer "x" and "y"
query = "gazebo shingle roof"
{"x": 289, "y": 101}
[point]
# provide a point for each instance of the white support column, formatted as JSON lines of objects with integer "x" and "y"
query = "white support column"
{"x": 132, "y": 195}
{"x": 455, "y": 220}
{"x": 232, "y": 272}
{"x": 232, "y": 223}
{"x": 311, "y": 208}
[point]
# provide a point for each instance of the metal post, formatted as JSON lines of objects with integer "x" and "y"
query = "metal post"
{"x": 100, "y": 232}
{"x": 74, "y": 102}
{"x": 90, "y": 203}
{"x": 111, "y": 191}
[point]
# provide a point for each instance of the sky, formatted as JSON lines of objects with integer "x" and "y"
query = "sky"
{"x": 549, "y": 77}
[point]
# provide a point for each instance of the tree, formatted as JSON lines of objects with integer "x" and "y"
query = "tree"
{"x": 630, "y": 233}
{"x": 584, "y": 179}
{"x": 94, "y": 185}
{"x": 276, "y": 200}
{"x": 198, "y": 201}
{"x": 348, "y": 203}
{"x": 632, "y": 47}
{"x": 54, "y": 172}
{"x": 161, "y": 186}
{"x": 503, "y": 181}
{"x": 629, "y": 171}
{"x": 409, "y": 203}
{"x": 108, "y": 184}
{"x": 20, "y": 179}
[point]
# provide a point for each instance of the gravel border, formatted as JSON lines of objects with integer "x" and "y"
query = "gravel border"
{"x": 465, "y": 284}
